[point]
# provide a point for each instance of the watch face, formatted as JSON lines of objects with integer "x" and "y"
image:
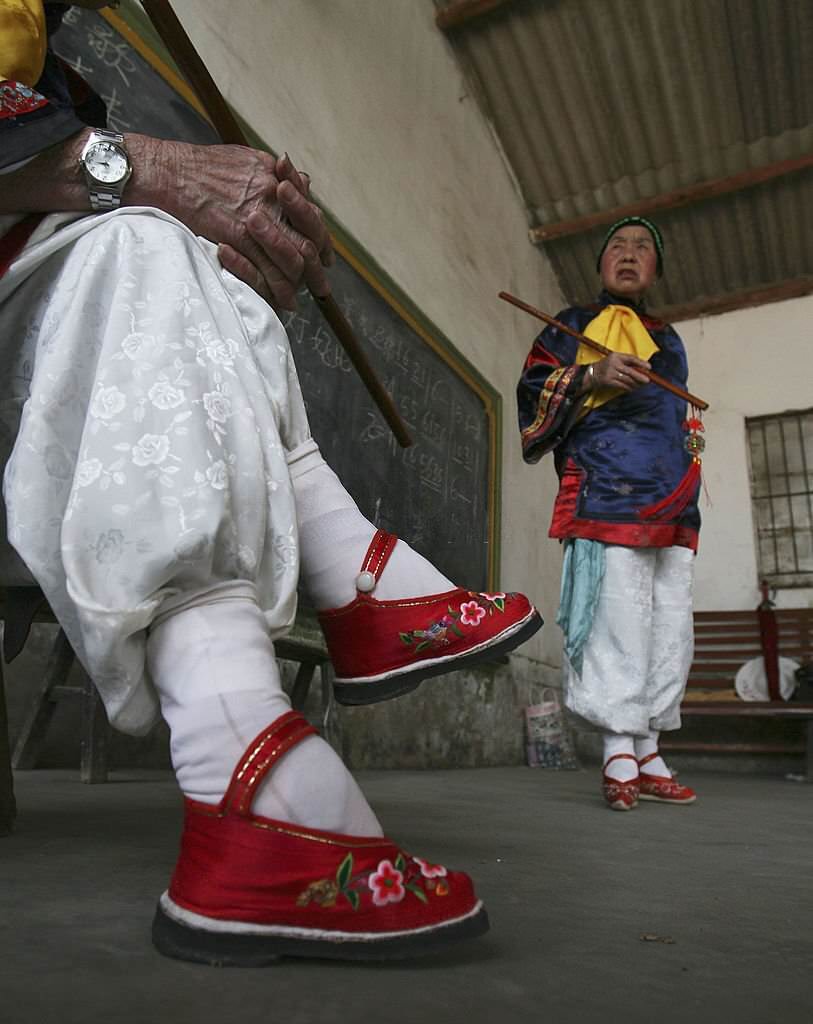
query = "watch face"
{"x": 106, "y": 162}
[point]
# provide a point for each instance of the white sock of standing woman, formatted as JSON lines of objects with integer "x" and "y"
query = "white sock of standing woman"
{"x": 646, "y": 745}
{"x": 624, "y": 768}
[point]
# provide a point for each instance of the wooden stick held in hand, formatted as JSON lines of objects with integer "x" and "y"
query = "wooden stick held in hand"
{"x": 698, "y": 403}
{"x": 183, "y": 52}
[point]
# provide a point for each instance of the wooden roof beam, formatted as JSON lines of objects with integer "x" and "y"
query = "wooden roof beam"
{"x": 671, "y": 200}
{"x": 796, "y": 288}
{"x": 460, "y": 12}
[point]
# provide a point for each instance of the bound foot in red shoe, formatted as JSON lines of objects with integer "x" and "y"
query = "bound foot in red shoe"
{"x": 248, "y": 890}
{"x": 620, "y": 795}
{"x": 663, "y": 788}
{"x": 382, "y": 649}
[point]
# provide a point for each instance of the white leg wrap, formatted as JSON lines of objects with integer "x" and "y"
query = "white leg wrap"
{"x": 213, "y": 664}
{"x": 623, "y": 769}
{"x": 646, "y": 745}
{"x": 334, "y": 537}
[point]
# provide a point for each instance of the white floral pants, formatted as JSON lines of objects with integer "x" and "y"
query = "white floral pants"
{"x": 639, "y": 651}
{"x": 150, "y": 399}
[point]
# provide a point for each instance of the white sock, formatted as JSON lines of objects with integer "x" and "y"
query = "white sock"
{"x": 334, "y": 537}
{"x": 646, "y": 745}
{"x": 213, "y": 664}
{"x": 623, "y": 769}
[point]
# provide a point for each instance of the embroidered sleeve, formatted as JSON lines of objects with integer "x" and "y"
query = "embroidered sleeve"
{"x": 31, "y": 122}
{"x": 548, "y": 398}
{"x": 17, "y": 99}
{"x": 59, "y": 105}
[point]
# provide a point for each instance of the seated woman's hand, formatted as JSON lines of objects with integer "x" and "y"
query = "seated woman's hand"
{"x": 255, "y": 207}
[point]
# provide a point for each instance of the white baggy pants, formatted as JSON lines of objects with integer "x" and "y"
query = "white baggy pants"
{"x": 150, "y": 399}
{"x": 639, "y": 651}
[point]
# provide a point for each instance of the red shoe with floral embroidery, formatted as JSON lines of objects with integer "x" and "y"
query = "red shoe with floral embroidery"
{"x": 247, "y": 890}
{"x": 382, "y": 649}
{"x": 661, "y": 788}
{"x": 621, "y": 796}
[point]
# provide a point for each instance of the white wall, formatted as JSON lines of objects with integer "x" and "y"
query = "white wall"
{"x": 366, "y": 96}
{"x": 752, "y": 362}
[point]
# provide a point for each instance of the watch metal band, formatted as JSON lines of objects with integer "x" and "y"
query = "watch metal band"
{"x": 105, "y": 200}
{"x": 113, "y": 136}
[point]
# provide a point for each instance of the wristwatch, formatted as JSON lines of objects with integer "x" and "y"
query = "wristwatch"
{"x": 107, "y": 168}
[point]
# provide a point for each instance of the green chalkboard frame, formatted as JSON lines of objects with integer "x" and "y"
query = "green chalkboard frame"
{"x": 131, "y": 22}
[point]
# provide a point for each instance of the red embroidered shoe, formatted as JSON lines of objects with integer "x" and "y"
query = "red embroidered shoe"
{"x": 621, "y": 796}
{"x": 247, "y": 890}
{"x": 382, "y": 649}
{"x": 661, "y": 788}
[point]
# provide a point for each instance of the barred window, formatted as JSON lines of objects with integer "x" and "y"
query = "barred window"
{"x": 781, "y": 450}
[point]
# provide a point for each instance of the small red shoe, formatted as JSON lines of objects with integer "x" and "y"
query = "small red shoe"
{"x": 382, "y": 649}
{"x": 248, "y": 890}
{"x": 621, "y": 796}
{"x": 661, "y": 788}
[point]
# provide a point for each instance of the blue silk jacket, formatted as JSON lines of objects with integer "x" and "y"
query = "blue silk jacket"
{"x": 617, "y": 459}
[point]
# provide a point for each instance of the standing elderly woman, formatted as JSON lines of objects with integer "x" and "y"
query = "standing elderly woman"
{"x": 626, "y": 511}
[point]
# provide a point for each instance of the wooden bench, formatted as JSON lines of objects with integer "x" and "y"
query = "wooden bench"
{"x": 21, "y": 606}
{"x": 724, "y": 641}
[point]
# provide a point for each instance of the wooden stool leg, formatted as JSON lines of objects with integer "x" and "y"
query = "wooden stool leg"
{"x": 331, "y": 725}
{"x": 8, "y": 805}
{"x": 95, "y": 735}
{"x": 41, "y": 709}
{"x": 299, "y": 693}
{"x": 809, "y": 752}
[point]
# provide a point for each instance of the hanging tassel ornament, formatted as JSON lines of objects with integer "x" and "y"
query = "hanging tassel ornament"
{"x": 673, "y": 504}
{"x": 694, "y": 444}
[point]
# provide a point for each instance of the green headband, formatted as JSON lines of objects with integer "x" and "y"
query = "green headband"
{"x": 651, "y": 228}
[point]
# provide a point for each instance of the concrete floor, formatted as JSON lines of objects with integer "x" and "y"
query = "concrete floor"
{"x": 571, "y": 888}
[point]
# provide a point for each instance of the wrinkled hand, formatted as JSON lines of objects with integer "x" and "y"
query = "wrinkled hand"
{"x": 621, "y": 371}
{"x": 294, "y": 236}
{"x": 255, "y": 207}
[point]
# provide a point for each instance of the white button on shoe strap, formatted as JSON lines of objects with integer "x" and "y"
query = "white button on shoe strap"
{"x": 378, "y": 553}
{"x": 365, "y": 582}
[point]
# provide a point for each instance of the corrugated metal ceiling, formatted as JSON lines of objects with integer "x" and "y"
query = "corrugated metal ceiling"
{"x": 599, "y": 104}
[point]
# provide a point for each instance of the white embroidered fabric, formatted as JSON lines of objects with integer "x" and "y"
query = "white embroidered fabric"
{"x": 150, "y": 398}
{"x": 639, "y": 652}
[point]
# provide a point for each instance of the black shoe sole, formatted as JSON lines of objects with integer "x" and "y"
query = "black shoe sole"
{"x": 221, "y": 949}
{"x": 358, "y": 694}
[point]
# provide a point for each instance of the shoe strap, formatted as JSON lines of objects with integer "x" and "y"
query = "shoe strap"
{"x": 648, "y": 758}
{"x": 378, "y": 554}
{"x": 260, "y": 757}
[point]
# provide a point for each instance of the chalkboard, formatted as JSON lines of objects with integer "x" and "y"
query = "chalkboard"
{"x": 435, "y": 494}
{"x": 438, "y": 494}
{"x": 137, "y": 97}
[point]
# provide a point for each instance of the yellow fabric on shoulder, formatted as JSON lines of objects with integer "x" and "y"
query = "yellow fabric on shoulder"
{"x": 618, "y": 329}
{"x": 23, "y": 40}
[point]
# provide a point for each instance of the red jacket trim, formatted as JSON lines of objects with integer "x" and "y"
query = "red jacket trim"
{"x": 17, "y": 99}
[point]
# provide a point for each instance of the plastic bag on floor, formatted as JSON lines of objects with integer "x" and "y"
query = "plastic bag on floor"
{"x": 548, "y": 742}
